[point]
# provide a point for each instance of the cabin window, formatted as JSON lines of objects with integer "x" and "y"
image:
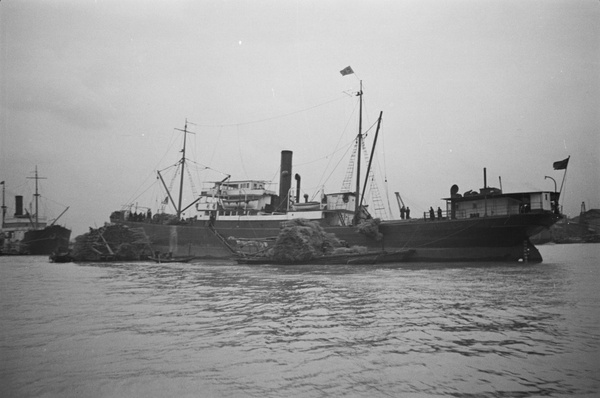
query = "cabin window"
{"x": 474, "y": 206}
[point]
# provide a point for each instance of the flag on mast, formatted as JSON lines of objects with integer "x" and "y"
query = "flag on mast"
{"x": 347, "y": 71}
{"x": 561, "y": 164}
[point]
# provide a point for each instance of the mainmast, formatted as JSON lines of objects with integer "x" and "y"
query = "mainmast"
{"x": 36, "y": 195}
{"x": 348, "y": 71}
{"x": 359, "y": 143}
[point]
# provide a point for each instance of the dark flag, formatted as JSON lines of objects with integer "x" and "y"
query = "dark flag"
{"x": 561, "y": 164}
{"x": 346, "y": 71}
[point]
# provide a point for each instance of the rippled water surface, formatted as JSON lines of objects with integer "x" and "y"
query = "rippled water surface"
{"x": 217, "y": 329}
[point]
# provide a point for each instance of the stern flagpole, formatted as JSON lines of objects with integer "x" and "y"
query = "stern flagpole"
{"x": 561, "y": 165}
{"x": 565, "y": 173}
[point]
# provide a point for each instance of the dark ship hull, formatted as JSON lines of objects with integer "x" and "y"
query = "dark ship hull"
{"x": 28, "y": 233}
{"x": 46, "y": 241}
{"x": 243, "y": 217}
{"x": 494, "y": 238}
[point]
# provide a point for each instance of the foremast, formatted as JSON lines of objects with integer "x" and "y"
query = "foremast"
{"x": 36, "y": 195}
{"x": 178, "y": 207}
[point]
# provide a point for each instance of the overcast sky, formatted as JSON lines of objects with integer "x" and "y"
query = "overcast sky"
{"x": 92, "y": 91}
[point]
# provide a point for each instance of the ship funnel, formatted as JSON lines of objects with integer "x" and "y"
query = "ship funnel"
{"x": 454, "y": 191}
{"x": 297, "y": 178}
{"x": 18, "y": 205}
{"x": 285, "y": 179}
{"x": 484, "y": 177}
{"x": 453, "y": 194}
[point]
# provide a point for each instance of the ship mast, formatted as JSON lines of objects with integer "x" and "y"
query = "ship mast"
{"x": 359, "y": 143}
{"x": 3, "y": 203}
{"x": 185, "y": 133}
{"x": 36, "y": 195}
{"x": 362, "y": 196}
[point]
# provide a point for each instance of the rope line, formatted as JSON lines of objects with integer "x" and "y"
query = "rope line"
{"x": 274, "y": 117}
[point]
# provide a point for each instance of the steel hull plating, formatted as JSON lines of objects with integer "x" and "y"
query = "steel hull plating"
{"x": 47, "y": 240}
{"x": 503, "y": 238}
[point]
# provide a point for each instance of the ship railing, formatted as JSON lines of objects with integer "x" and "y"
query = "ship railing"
{"x": 490, "y": 211}
{"x": 437, "y": 215}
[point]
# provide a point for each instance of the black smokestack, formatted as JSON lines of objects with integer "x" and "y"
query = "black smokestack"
{"x": 484, "y": 177}
{"x": 285, "y": 178}
{"x": 297, "y": 177}
{"x": 18, "y": 205}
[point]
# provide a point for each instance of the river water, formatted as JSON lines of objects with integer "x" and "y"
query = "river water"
{"x": 218, "y": 329}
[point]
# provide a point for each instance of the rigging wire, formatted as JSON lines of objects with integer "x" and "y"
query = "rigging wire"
{"x": 336, "y": 166}
{"x": 387, "y": 192}
{"x": 142, "y": 193}
{"x": 240, "y": 151}
{"x": 192, "y": 185}
{"x": 173, "y": 139}
{"x": 196, "y": 169}
{"x": 321, "y": 182}
{"x": 329, "y": 155}
{"x": 216, "y": 145}
{"x": 135, "y": 195}
{"x": 274, "y": 117}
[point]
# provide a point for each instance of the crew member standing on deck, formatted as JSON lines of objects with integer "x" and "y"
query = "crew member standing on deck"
{"x": 211, "y": 220}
